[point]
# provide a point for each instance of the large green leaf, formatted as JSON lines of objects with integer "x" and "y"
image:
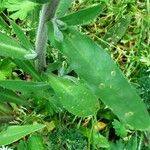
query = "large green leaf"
{"x": 10, "y": 48}
{"x": 23, "y": 86}
{"x": 95, "y": 66}
{"x": 75, "y": 97}
{"x": 83, "y": 16}
{"x": 14, "y": 133}
{"x": 9, "y": 96}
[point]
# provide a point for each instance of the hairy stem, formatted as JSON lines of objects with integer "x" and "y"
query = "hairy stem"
{"x": 47, "y": 13}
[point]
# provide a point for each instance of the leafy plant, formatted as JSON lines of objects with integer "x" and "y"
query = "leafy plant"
{"x": 81, "y": 82}
{"x": 67, "y": 139}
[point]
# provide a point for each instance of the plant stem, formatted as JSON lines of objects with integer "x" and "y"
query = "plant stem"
{"x": 47, "y": 13}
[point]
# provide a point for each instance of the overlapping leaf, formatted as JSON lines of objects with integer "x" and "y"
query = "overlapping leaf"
{"x": 96, "y": 67}
{"x": 75, "y": 97}
{"x": 23, "y": 86}
{"x": 29, "y": 68}
{"x": 10, "y": 96}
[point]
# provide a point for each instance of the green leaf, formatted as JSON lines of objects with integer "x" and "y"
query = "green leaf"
{"x": 23, "y": 86}
{"x": 96, "y": 67}
{"x": 63, "y": 7}
{"x": 14, "y": 133}
{"x": 75, "y": 97}
{"x": 21, "y": 36}
{"x": 115, "y": 33}
{"x": 19, "y": 8}
{"x": 10, "y": 48}
{"x": 36, "y": 142}
{"x": 10, "y": 96}
{"x": 28, "y": 67}
{"x": 83, "y": 16}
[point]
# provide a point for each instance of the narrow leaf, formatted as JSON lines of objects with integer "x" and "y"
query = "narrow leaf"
{"x": 10, "y": 96}
{"x": 23, "y": 86}
{"x": 14, "y": 133}
{"x": 75, "y": 97}
{"x": 10, "y": 48}
{"x": 83, "y": 16}
{"x": 21, "y": 36}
